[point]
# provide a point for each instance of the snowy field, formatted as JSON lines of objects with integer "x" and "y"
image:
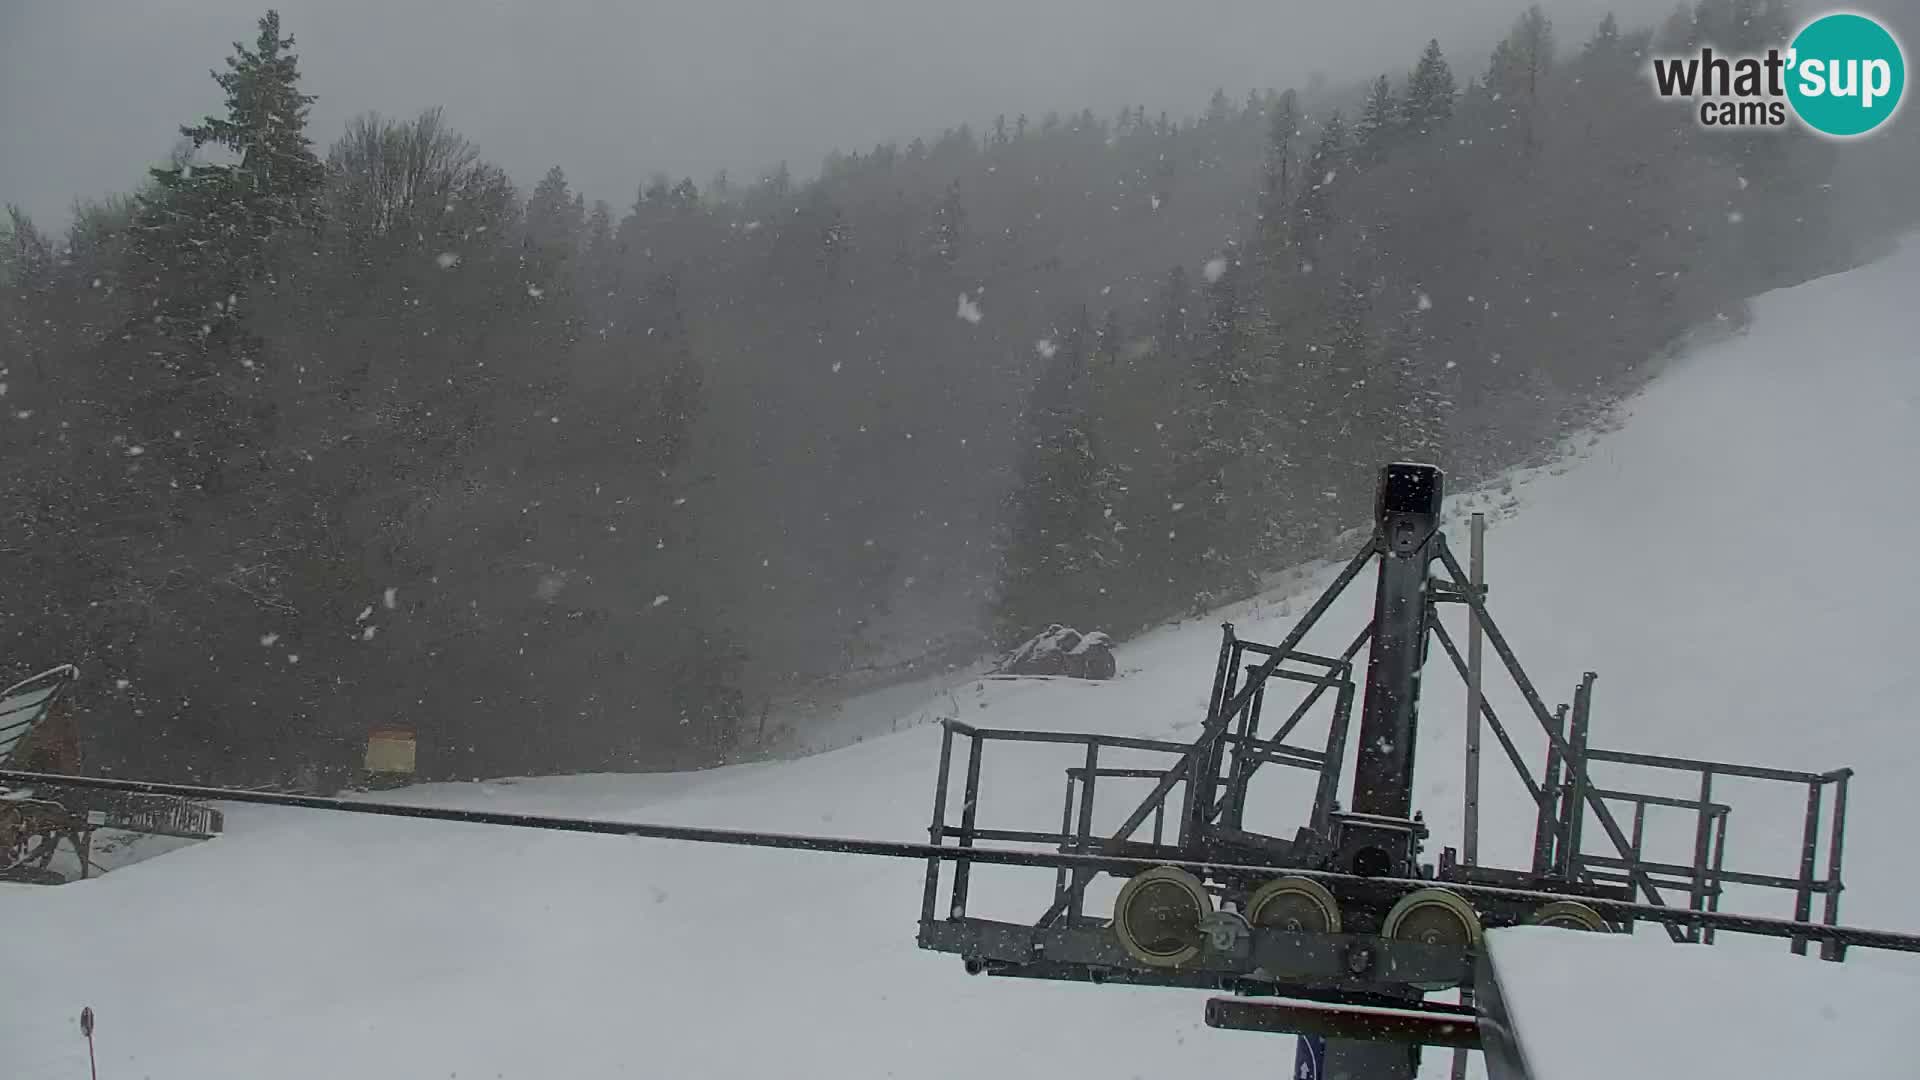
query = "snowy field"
{"x": 1729, "y": 561}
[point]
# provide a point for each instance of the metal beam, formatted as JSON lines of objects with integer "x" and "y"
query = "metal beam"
{"x": 1367, "y": 1023}
{"x": 1087, "y": 863}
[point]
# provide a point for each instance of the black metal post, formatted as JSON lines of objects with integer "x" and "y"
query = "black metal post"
{"x": 963, "y": 868}
{"x": 1329, "y": 787}
{"x": 1639, "y": 833}
{"x": 1809, "y": 845}
{"x": 1084, "y": 831}
{"x": 1834, "y": 950}
{"x": 1389, "y": 715}
{"x": 936, "y": 832}
{"x": 1547, "y": 815}
{"x": 1066, "y": 834}
{"x": 1702, "y": 838}
{"x": 1716, "y": 885}
{"x": 1577, "y": 782}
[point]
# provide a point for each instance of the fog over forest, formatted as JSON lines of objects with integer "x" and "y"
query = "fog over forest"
{"x": 90, "y": 93}
{"x": 577, "y": 384}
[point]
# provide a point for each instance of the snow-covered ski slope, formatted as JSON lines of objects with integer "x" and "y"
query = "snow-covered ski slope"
{"x": 1735, "y": 561}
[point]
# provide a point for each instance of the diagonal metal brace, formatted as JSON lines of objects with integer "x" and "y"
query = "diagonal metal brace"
{"x": 1217, "y": 723}
{"x": 1540, "y": 712}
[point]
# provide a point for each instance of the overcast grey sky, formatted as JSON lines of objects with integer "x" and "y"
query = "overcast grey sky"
{"x": 93, "y": 90}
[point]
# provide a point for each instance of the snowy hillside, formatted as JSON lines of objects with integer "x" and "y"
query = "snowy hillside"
{"x": 1728, "y": 561}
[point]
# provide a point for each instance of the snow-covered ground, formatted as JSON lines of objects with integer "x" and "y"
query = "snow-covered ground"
{"x": 1729, "y": 560}
{"x": 1772, "y": 1014}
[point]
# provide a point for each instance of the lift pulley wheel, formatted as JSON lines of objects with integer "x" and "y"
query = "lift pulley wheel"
{"x": 1295, "y": 904}
{"x": 1158, "y": 915}
{"x": 1570, "y": 915}
{"x": 1433, "y": 917}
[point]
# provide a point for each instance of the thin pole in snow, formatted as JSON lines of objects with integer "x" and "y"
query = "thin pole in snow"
{"x": 86, "y": 1028}
{"x": 1470, "y": 822}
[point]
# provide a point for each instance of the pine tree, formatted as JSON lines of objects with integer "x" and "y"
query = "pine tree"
{"x": 682, "y": 383}
{"x": 204, "y": 228}
{"x": 1519, "y": 69}
{"x": 1219, "y": 109}
{"x": 1430, "y": 90}
{"x": 1378, "y": 122}
{"x": 1606, "y": 38}
{"x": 1276, "y": 187}
{"x": 1313, "y": 209}
{"x": 1060, "y": 544}
{"x": 1220, "y": 478}
{"x": 556, "y": 217}
{"x": 204, "y": 234}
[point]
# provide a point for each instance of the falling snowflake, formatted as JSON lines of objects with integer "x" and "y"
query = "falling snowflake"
{"x": 969, "y": 309}
{"x": 1743, "y": 183}
{"x": 1736, "y": 217}
{"x": 121, "y": 684}
{"x": 136, "y": 451}
{"x": 836, "y": 367}
{"x": 1424, "y": 303}
{"x": 447, "y": 260}
{"x": 536, "y": 291}
{"x": 661, "y": 599}
{"x": 390, "y": 597}
{"x": 367, "y": 634}
{"x": 364, "y": 613}
{"x": 1156, "y": 202}
{"x": 267, "y": 640}
{"x": 293, "y": 658}
{"x": 1214, "y": 270}
{"x": 1046, "y": 348}
{"x": 3, "y": 389}
{"x": 1105, "y": 289}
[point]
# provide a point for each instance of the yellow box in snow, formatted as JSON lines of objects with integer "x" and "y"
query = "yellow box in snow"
{"x": 390, "y": 751}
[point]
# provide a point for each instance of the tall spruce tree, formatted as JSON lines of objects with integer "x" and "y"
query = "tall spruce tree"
{"x": 1430, "y": 89}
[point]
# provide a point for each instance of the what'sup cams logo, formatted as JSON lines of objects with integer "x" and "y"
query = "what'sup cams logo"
{"x": 1841, "y": 75}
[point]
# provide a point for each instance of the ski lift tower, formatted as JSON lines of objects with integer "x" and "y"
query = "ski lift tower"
{"x": 1339, "y": 928}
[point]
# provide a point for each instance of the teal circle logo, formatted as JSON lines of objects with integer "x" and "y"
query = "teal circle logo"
{"x": 1846, "y": 74}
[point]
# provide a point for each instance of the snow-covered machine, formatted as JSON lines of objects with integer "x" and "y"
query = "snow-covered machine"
{"x": 1062, "y": 650}
{"x": 1338, "y": 927}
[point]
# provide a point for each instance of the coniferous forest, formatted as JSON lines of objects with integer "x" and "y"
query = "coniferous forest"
{"x": 315, "y": 431}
